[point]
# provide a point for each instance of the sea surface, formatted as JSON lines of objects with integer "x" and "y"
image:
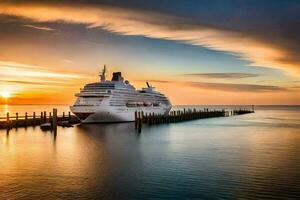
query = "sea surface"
{"x": 253, "y": 156}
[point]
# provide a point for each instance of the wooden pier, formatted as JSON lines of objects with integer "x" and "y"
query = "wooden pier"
{"x": 34, "y": 119}
{"x": 174, "y": 116}
{"x": 183, "y": 115}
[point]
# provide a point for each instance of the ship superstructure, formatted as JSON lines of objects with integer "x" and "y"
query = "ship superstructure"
{"x": 117, "y": 100}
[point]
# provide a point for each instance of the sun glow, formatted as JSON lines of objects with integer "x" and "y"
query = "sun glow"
{"x": 5, "y": 94}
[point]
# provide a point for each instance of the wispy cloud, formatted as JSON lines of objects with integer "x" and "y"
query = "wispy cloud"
{"x": 227, "y": 87}
{"x": 236, "y": 87}
{"x": 43, "y": 28}
{"x": 223, "y": 75}
{"x": 156, "y": 81}
{"x": 126, "y": 21}
{"x": 19, "y": 76}
{"x": 22, "y": 82}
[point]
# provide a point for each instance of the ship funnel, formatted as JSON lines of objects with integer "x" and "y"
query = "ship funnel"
{"x": 117, "y": 76}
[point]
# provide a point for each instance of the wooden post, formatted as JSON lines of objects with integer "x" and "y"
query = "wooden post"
{"x": 7, "y": 122}
{"x": 17, "y": 118}
{"x": 41, "y": 119}
{"x": 153, "y": 118}
{"x": 140, "y": 118}
{"x": 63, "y": 115}
{"x": 50, "y": 117}
{"x": 54, "y": 120}
{"x": 45, "y": 116}
{"x": 135, "y": 120}
{"x": 25, "y": 123}
{"x": 148, "y": 120}
{"x": 175, "y": 116}
{"x": 69, "y": 116}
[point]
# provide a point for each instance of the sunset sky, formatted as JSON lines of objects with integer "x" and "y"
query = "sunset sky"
{"x": 194, "y": 51}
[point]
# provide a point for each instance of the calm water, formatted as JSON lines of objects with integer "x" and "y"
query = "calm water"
{"x": 242, "y": 157}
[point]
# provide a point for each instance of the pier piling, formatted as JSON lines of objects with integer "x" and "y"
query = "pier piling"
{"x": 140, "y": 121}
{"x": 17, "y": 119}
{"x": 135, "y": 120}
{"x": 45, "y": 117}
{"x": 54, "y": 121}
{"x": 26, "y": 117}
{"x": 7, "y": 117}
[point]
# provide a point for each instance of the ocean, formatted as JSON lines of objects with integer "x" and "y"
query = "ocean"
{"x": 252, "y": 156}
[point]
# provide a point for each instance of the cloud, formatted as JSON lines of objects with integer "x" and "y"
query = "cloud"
{"x": 223, "y": 75}
{"x": 234, "y": 87}
{"x": 227, "y": 87}
{"x": 44, "y": 83}
{"x": 37, "y": 84}
{"x": 20, "y": 76}
{"x": 22, "y": 82}
{"x": 260, "y": 51}
{"x": 44, "y": 28}
{"x": 156, "y": 81}
{"x": 22, "y": 70}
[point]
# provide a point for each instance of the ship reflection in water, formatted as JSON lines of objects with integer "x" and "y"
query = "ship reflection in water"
{"x": 250, "y": 156}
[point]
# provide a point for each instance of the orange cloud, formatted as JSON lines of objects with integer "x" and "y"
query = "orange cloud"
{"x": 27, "y": 82}
{"x": 225, "y": 87}
{"x": 223, "y": 75}
{"x": 134, "y": 22}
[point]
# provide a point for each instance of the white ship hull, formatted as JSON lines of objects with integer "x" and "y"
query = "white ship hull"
{"x": 108, "y": 114}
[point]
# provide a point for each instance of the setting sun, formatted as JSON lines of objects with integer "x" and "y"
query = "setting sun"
{"x": 5, "y": 94}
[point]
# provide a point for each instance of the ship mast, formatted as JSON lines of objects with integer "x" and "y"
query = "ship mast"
{"x": 102, "y": 75}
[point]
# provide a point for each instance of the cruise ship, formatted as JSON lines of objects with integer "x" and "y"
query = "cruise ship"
{"x": 117, "y": 100}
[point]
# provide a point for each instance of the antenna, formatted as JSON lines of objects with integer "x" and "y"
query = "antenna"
{"x": 102, "y": 76}
{"x": 148, "y": 85}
